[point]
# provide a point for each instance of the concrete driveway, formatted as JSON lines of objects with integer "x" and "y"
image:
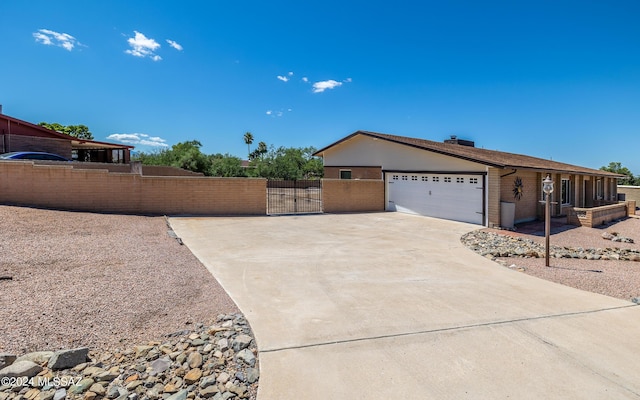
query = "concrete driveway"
{"x": 389, "y": 305}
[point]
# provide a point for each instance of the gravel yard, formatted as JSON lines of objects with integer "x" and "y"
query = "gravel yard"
{"x": 97, "y": 280}
{"x": 619, "y": 279}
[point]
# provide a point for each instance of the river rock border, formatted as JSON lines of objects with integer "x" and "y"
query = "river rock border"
{"x": 492, "y": 245}
{"x": 216, "y": 362}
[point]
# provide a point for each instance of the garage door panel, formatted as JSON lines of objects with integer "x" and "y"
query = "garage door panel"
{"x": 455, "y": 197}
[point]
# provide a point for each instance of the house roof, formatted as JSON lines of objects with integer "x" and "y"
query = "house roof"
{"x": 76, "y": 143}
{"x": 493, "y": 158}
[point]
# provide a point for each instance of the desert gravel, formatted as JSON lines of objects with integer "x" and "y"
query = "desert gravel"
{"x": 98, "y": 280}
{"x": 619, "y": 279}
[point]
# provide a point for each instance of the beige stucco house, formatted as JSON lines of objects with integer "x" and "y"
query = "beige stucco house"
{"x": 458, "y": 181}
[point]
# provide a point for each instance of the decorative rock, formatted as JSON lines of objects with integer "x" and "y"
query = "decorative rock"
{"x": 160, "y": 365}
{"x": 607, "y": 236}
{"x": 38, "y": 357}
{"x": 253, "y": 374}
{"x": 60, "y": 394}
{"x": 21, "y": 368}
{"x": 47, "y": 395}
{"x": 64, "y": 359}
{"x": 223, "y": 378}
{"x": 116, "y": 391}
{"x": 203, "y": 372}
{"x": 6, "y": 359}
{"x": 241, "y": 342}
{"x": 194, "y": 360}
{"x": 97, "y": 389}
{"x": 207, "y": 381}
{"x": 209, "y": 391}
{"x": 142, "y": 351}
{"x": 133, "y": 385}
{"x": 223, "y": 345}
{"x": 247, "y": 357}
{"x": 193, "y": 376}
{"x": 170, "y": 388}
{"x": 81, "y": 386}
{"x": 181, "y": 395}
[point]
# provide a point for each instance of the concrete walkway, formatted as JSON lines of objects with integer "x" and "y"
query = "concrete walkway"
{"x": 393, "y": 306}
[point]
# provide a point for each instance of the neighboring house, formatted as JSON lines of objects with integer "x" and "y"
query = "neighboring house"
{"x": 455, "y": 180}
{"x": 18, "y": 135}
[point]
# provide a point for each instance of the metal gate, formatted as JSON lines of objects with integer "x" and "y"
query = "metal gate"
{"x": 294, "y": 197}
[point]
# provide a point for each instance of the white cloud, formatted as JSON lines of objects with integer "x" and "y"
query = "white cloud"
{"x": 140, "y": 139}
{"x": 283, "y": 78}
{"x": 305, "y": 79}
{"x": 52, "y": 38}
{"x": 321, "y": 86}
{"x": 347, "y": 80}
{"x": 174, "y": 44}
{"x": 290, "y": 74}
{"x": 279, "y": 114}
{"x": 269, "y": 112}
{"x": 142, "y": 46}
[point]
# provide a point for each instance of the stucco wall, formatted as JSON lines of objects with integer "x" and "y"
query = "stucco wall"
{"x": 367, "y": 151}
{"x": 64, "y": 187}
{"x": 356, "y": 172}
{"x": 630, "y": 192}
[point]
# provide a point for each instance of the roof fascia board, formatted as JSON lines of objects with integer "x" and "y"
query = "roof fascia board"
{"x": 372, "y": 135}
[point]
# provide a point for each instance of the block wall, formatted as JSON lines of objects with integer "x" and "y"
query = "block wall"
{"x": 527, "y": 205}
{"x": 63, "y": 187}
{"x": 348, "y": 195}
{"x": 493, "y": 197}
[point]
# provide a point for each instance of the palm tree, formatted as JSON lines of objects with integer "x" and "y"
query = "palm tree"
{"x": 262, "y": 149}
{"x": 248, "y": 139}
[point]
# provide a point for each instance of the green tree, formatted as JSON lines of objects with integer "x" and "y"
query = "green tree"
{"x": 77, "y": 131}
{"x": 226, "y": 165}
{"x": 616, "y": 167}
{"x": 288, "y": 163}
{"x": 248, "y": 139}
{"x": 185, "y": 155}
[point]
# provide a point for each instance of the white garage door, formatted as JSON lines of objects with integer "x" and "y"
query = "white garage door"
{"x": 455, "y": 197}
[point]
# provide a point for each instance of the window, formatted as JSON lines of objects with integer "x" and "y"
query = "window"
{"x": 565, "y": 191}
{"x": 459, "y": 180}
{"x": 395, "y": 177}
{"x": 425, "y": 179}
{"x": 414, "y": 177}
{"x": 473, "y": 181}
{"x": 599, "y": 193}
{"x": 436, "y": 179}
{"x": 447, "y": 179}
{"x": 345, "y": 174}
{"x": 404, "y": 177}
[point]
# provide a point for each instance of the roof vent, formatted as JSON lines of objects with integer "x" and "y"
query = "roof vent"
{"x": 454, "y": 140}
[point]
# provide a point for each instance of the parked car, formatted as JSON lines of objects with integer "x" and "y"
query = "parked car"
{"x": 31, "y": 155}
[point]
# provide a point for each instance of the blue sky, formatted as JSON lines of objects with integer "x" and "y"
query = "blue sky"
{"x": 551, "y": 79}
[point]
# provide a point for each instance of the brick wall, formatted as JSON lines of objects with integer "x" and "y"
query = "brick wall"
{"x": 356, "y": 172}
{"x": 350, "y": 195}
{"x": 64, "y": 187}
{"x": 596, "y": 216}
{"x": 527, "y": 206}
{"x": 494, "y": 191}
{"x": 147, "y": 170}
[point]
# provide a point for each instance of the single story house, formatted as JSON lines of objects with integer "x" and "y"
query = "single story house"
{"x": 18, "y": 135}
{"x": 458, "y": 181}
